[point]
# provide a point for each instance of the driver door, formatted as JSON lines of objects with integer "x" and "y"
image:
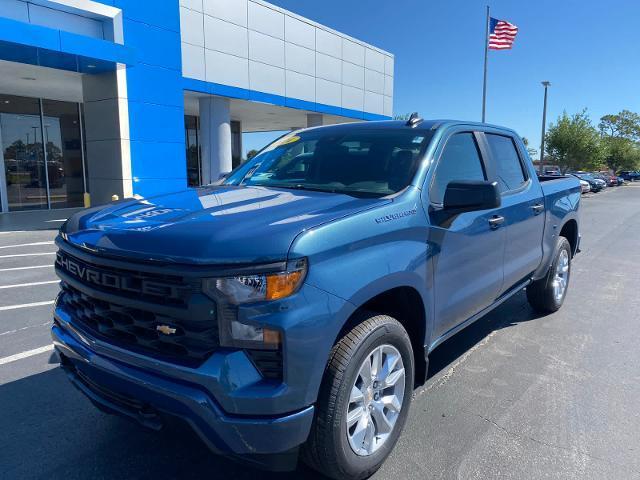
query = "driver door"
{"x": 468, "y": 249}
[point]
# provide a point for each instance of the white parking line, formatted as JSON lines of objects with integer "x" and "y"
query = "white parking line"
{"x": 27, "y": 244}
{"x": 11, "y": 332}
{"x": 25, "y": 305}
{"x": 27, "y": 255}
{"x": 12, "y": 231}
{"x": 27, "y": 354}
{"x": 32, "y": 284}
{"x": 14, "y": 269}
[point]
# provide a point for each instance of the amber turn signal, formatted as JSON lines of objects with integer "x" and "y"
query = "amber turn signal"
{"x": 282, "y": 285}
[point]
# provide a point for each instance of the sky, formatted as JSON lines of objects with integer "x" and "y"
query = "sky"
{"x": 589, "y": 50}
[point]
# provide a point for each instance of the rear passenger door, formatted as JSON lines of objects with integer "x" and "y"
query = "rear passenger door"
{"x": 522, "y": 207}
{"x": 467, "y": 251}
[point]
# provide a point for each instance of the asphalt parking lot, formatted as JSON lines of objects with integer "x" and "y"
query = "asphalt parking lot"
{"x": 513, "y": 396}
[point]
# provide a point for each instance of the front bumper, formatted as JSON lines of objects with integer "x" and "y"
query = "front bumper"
{"x": 141, "y": 395}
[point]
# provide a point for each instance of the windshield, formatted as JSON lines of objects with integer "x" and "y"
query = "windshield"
{"x": 358, "y": 162}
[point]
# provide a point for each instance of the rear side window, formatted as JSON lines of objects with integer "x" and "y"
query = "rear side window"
{"x": 460, "y": 160}
{"x": 507, "y": 162}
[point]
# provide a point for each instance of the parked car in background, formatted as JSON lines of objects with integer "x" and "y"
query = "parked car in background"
{"x": 612, "y": 180}
{"x": 620, "y": 180}
{"x": 594, "y": 183}
{"x": 602, "y": 178}
{"x": 629, "y": 176}
{"x": 584, "y": 186}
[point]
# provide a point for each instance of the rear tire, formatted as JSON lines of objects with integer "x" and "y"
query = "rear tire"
{"x": 331, "y": 448}
{"x": 547, "y": 294}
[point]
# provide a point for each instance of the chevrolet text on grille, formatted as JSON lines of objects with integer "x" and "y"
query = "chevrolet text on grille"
{"x": 118, "y": 282}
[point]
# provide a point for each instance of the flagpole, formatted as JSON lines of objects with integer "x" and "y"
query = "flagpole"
{"x": 486, "y": 58}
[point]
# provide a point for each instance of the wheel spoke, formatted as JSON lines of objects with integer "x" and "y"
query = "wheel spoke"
{"x": 383, "y": 424}
{"x": 369, "y": 436}
{"x": 376, "y": 362}
{"x": 360, "y": 431}
{"x": 392, "y": 403}
{"x": 390, "y": 363}
{"x": 354, "y": 416}
{"x": 393, "y": 378}
{"x": 356, "y": 395}
{"x": 365, "y": 372}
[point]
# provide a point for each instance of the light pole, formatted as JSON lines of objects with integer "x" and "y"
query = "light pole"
{"x": 546, "y": 85}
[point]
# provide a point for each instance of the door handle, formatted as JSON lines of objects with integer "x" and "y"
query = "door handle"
{"x": 538, "y": 208}
{"x": 496, "y": 221}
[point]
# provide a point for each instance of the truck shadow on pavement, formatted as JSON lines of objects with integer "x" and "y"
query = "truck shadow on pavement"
{"x": 49, "y": 430}
{"x": 512, "y": 312}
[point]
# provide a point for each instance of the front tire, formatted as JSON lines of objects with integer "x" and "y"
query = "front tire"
{"x": 363, "y": 401}
{"x": 547, "y": 294}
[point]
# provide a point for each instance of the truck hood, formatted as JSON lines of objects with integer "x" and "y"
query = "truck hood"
{"x": 209, "y": 225}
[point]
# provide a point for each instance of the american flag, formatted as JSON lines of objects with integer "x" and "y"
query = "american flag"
{"x": 501, "y": 34}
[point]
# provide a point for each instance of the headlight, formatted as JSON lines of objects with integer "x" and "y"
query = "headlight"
{"x": 229, "y": 292}
{"x": 259, "y": 287}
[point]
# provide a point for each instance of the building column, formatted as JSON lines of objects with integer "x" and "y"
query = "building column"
{"x": 106, "y": 134}
{"x": 215, "y": 138}
{"x": 315, "y": 120}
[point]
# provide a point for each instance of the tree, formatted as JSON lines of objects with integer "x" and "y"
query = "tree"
{"x": 625, "y": 124}
{"x": 532, "y": 151}
{"x": 621, "y": 133}
{"x": 251, "y": 154}
{"x": 573, "y": 143}
{"x": 622, "y": 153}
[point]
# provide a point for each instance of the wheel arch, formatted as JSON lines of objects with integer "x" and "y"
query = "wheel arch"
{"x": 570, "y": 231}
{"x": 405, "y": 303}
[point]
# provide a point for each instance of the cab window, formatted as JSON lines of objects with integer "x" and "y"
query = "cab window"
{"x": 509, "y": 171}
{"x": 460, "y": 160}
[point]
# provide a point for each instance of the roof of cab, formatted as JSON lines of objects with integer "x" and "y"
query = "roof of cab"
{"x": 421, "y": 125}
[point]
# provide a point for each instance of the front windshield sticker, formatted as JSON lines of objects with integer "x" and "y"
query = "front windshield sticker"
{"x": 252, "y": 170}
{"x": 418, "y": 139}
{"x": 287, "y": 141}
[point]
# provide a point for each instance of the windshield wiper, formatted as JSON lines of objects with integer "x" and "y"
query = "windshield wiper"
{"x": 299, "y": 186}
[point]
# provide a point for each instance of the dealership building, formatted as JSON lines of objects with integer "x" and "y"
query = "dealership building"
{"x": 133, "y": 97}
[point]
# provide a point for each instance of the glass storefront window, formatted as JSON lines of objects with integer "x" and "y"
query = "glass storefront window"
{"x": 193, "y": 148}
{"x": 21, "y": 132}
{"x": 236, "y": 144}
{"x": 27, "y": 184}
{"x": 64, "y": 153}
{"x": 194, "y": 171}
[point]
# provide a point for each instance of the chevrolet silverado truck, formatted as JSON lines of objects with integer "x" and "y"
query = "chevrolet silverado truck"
{"x": 289, "y": 310}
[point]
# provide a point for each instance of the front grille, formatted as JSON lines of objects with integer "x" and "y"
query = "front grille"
{"x": 192, "y": 342}
{"x": 160, "y": 289}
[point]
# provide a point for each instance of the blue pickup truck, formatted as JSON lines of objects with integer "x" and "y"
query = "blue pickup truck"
{"x": 290, "y": 310}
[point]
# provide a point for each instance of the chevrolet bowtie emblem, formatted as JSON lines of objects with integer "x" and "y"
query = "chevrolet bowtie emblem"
{"x": 166, "y": 329}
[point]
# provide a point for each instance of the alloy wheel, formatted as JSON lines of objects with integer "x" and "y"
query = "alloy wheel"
{"x": 375, "y": 400}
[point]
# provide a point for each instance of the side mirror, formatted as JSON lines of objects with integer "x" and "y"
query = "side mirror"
{"x": 471, "y": 195}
